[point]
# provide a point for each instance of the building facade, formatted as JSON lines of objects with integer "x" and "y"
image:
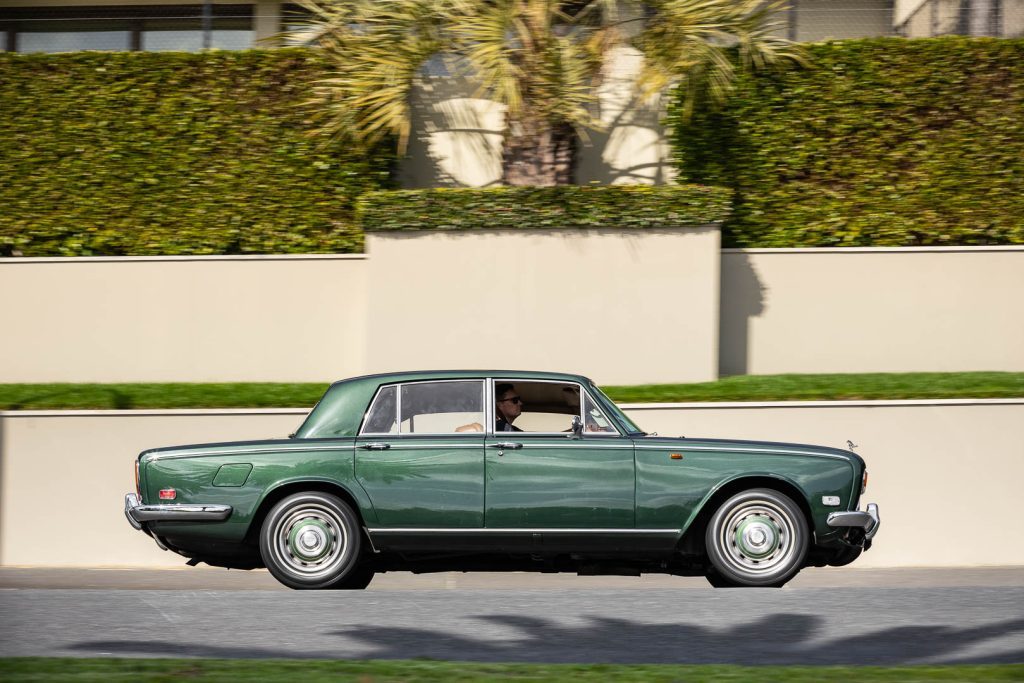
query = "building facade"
{"x": 152, "y": 25}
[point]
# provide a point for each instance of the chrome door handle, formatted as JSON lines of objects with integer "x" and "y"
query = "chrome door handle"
{"x": 376, "y": 446}
{"x": 506, "y": 445}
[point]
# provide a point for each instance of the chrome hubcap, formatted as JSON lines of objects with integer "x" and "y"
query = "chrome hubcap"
{"x": 310, "y": 540}
{"x": 757, "y": 537}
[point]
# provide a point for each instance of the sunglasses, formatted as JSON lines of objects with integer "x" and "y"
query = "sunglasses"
{"x": 515, "y": 399}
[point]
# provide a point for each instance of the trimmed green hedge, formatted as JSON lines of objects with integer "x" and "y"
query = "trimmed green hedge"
{"x": 572, "y": 206}
{"x": 871, "y": 386}
{"x": 172, "y": 153}
{"x": 880, "y": 142}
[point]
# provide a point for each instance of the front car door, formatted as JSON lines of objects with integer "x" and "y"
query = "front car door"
{"x": 548, "y": 486}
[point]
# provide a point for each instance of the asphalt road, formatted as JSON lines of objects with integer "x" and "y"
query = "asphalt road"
{"x": 866, "y": 617}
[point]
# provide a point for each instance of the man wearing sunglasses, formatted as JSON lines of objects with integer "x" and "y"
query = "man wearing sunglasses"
{"x": 508, "y": 407}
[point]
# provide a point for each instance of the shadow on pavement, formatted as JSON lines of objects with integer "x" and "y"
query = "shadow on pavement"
{"x": 776, "y": 639}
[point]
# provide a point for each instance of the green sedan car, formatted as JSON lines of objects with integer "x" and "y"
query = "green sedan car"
{"x": 499, "y": 470}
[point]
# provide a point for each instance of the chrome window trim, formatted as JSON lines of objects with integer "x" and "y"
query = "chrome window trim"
{"x": 492, "y": 404}
{"x": 398, "y": 407}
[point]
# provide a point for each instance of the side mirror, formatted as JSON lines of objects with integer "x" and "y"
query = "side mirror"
{"x": 577, "y": 427}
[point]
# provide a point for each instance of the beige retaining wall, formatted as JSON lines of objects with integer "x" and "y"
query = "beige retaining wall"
{"x": 182, "y": 319}
{"x": 625, "y": 307}
{"x": 945, "y": 473}
{"x": 621, "y": 306}
{"x": 872, "y": 310}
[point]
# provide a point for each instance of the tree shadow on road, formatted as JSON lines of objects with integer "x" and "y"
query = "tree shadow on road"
{"x": 779, "y": 639}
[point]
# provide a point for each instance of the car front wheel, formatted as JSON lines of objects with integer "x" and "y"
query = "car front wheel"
{"x": 312, "y": 540}
{"x": 756, "y": 538}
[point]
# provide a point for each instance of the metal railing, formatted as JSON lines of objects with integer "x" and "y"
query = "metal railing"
{"x": 994, "y": 18}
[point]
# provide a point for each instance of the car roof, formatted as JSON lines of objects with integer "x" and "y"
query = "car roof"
{"x": 414, "y": 375}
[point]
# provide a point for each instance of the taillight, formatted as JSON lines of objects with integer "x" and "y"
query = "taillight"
{"x": 168, "y": 494}
{"x": 864, "y": 483}
{"x": 138, "y": 484}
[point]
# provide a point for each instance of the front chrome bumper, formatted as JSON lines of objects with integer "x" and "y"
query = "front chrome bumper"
{"x": 867, "y": 520}
{"x": 137, "y": 513}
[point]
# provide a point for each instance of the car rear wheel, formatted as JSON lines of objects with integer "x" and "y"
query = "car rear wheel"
{"x": 312, "y": 540}
{"x": 756, "y": 538}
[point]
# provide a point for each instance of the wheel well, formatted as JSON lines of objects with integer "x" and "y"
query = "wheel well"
{"x": 692, "y": 542}
{"x": 282, "y": 492}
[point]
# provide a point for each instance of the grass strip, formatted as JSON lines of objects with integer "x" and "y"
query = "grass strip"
{"x": 152, "y": 396}
{"x": 838, "y": 387}
{"x": 137, "y": 670}
{"x": 922, "y": 385}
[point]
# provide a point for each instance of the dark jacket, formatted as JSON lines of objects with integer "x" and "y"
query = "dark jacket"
{"x": 499, "y": 426}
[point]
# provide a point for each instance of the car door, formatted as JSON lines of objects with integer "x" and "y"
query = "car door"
{"x": 420, "y": 456}
{"x": 556, "y": 487}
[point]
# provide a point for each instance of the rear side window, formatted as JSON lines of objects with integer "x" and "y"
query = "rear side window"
{"x": 441, "y": 407}
{"x": 381, "y": 418}
{"x": 427, "y": 408}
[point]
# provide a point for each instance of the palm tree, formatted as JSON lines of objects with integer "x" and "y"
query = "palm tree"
{"x": 541, "y": 59}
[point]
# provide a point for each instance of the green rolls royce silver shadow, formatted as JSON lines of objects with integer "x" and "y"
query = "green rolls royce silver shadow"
{"x": 499, "y": 471}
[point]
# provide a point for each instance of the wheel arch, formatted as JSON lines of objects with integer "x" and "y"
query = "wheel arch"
{"x": 285, "y": 489}
{"x": 692, "y": 539}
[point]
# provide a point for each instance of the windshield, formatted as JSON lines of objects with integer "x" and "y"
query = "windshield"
{"x": 630, "y": 426}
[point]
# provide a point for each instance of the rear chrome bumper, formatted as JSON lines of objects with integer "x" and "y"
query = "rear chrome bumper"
{"x": 867, "y": 520}
{"x": 137, "y": 513}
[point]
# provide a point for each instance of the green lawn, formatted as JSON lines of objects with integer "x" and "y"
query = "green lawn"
{"x": 739, "y": 388}
{"x": 140, "y": 670}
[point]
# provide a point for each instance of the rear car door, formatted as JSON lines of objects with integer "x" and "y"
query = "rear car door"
{"x": 420, "y": 455}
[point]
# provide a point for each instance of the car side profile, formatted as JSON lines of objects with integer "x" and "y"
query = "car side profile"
{"x": 499, "y": 471}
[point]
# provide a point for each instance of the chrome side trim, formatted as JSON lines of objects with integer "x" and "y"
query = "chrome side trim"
{"x": 544, "y": 530}
{"x": 256, "y": 451}
{"x": 393, "y": 446}
{"x": 737, "y": 449}
{"x": 868, "y": 520}
{"x": 176, "y": 512}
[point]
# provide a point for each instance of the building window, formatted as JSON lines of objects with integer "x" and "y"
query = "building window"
{"x": 153, "y": 28}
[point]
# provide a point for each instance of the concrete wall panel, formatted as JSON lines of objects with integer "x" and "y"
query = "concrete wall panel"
{"x": 872, "y": 310}
{"x": 622, "y": 306}
{"x": 188, "y": 319}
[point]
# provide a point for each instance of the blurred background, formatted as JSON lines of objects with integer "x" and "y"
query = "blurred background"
{"x": 65, "y": 25}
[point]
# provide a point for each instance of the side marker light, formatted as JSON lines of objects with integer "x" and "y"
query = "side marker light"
{"x": 168, "y": 494}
